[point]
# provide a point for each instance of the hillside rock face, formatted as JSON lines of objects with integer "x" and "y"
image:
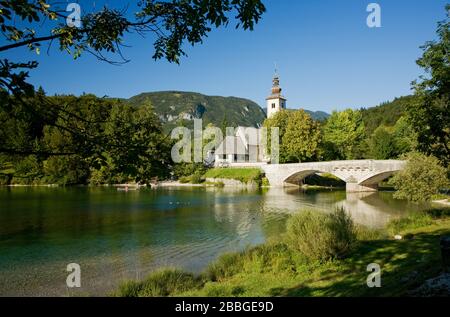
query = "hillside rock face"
{"x": 181, "y": 108}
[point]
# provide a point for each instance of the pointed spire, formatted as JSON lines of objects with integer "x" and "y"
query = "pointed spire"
{"x": 276, "y": 83}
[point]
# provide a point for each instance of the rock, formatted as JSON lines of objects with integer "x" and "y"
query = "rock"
{"x": 398, "y": 237}
{"x": 438, "y": 286}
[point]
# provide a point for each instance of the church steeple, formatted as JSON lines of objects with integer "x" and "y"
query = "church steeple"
{"x": 275, "y": 102}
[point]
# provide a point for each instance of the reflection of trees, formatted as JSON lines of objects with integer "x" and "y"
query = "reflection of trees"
{"x": 371, "y": 209}
{"x": 239, "y": 211}
{"x": 375, "y": 209}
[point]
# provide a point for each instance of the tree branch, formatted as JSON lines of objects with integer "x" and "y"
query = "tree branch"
{"x": 30, "y": 41}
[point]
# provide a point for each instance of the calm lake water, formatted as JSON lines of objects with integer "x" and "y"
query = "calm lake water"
{"x": 116, "y": 235}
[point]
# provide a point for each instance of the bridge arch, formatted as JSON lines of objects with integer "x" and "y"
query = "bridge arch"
{"x": 376, "y": 178}
{"x": 359, "y": 175}
{"x": 298, "y": 176}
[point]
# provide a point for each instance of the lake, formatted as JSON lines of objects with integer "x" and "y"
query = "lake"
{"x": 115, "y": 235}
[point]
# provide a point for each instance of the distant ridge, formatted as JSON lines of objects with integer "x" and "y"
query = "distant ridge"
{"x": 175, "y": 108}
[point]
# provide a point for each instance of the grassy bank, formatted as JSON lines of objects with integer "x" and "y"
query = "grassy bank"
{"x": 284, "y": 268}
{"x": 244, "y": 175}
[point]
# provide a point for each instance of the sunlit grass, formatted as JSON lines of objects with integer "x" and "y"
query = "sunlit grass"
{"x": 244, "y": 175}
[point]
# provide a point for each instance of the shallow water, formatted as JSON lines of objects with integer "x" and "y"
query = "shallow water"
{"x": 121, "y": 235}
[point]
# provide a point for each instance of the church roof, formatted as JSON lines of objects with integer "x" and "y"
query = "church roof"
{"x": 277, "y": 96}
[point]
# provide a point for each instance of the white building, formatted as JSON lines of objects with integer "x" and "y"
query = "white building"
{"x": 247, "y": 143}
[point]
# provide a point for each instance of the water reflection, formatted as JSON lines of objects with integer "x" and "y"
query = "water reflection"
{"x": 116, "y": 235}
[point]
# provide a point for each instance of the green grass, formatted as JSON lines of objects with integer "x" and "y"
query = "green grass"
{"x": 160, "y": 283}
{"x": 417, "y": 220}
{"x": 275, "y": 269}
{"x": 244, "y": 175}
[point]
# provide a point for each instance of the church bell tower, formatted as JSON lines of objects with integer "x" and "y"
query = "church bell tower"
{"x": 275, "y": 102}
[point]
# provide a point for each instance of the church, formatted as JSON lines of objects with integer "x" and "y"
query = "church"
{"x": 246, "y": 145}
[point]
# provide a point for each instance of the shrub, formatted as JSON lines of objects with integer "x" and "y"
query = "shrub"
{"x": 321, "y": 237}
{"x": 265, "y": 182}
{"x": 196, "y": 178}
{"x": 422, "y": 178}
{"x": 227, "y": 265}
{"x": 184, "y": 180}
{"x": 161, "y": 283}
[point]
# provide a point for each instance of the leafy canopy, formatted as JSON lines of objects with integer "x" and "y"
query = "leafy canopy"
{"x": 343, "y": 131}
{"x": 430, "y": 114}
{"x": 422, "y": 178}
{"x": 171, "y": 23}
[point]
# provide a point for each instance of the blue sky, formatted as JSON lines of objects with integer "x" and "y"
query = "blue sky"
{"x": 327, "y": 57}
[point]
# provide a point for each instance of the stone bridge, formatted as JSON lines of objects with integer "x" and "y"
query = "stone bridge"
{"x": 359, "y": 175}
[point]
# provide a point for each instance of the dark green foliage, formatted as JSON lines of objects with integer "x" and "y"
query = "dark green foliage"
{"x": 88, "y": 140}
{"x": 386, "y": 114}
{"x": 382, "y": 144}
{"x": 327, "y": 180}
{"x": 174, "y": 108}
{"x": 430, "y": 114}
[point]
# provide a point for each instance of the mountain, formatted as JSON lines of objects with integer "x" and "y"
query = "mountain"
{"x": 386, "y": 113}
{"x": 176, "y": 108}
{"x": 318, "y": 115}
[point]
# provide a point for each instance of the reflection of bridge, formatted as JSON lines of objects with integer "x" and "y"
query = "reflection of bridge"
{"x": 360, "y": 176}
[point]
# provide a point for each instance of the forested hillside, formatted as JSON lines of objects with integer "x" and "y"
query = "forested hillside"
{"x": 175, "y": 108}
{"x": 386, "y": 114}
{"x": 180, "y": 108}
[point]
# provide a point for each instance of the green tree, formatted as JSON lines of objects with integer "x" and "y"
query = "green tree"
{"x": 430, "y": 115}
{"x": 343, "y": 133}
{"x": 278, "y": 120}
{"x": 300, "y": 141}
{"x": 172, "y": 24}
{"x": 405, "y": 136}
{"x": 382, "y": 144}
{"x": 138, "y": 147}
{"x": 422, "y": 178}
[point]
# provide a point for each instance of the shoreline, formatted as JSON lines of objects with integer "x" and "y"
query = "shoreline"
{"x": 444, "y": 202}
